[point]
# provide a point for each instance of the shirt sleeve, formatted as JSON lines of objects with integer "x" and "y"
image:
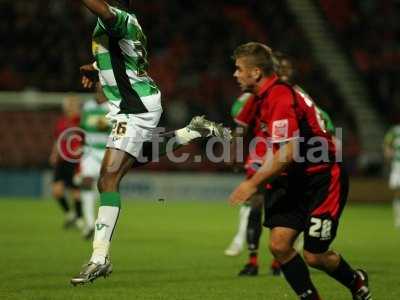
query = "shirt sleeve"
{"x": 280, "y": 115}
{"x": 247, "y": 112}
{"x": 119, "y": 27}
{"x": 238, "y": 105}
{"x": 328, "y": 121}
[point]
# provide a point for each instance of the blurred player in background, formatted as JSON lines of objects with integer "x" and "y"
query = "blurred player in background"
{"x": 391, "y": 149}
{"x": 312, "y": 193}
{"x": 64, "y": 158}
{"x": 119, "y": 48}
{"x": 236, "y": 246}
{"x": 96, "y": 128}
{"x": 245, "y": 120}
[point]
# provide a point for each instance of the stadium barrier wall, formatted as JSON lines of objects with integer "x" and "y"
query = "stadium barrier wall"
{"x": 173, "y": 186}
{"x": 15, "y": 183}
{"x": 33, "y": 100}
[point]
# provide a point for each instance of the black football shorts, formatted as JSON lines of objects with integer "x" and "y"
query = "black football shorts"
{"x": 310, "y": 203}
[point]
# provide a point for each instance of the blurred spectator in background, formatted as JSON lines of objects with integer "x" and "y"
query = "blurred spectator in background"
{"x": 391, "y": 148}
{"x": 174, "y": 57}
{"x": 64, "y": 159}
{"x": 369, "y": 31}
{"x": 189, "y": 62}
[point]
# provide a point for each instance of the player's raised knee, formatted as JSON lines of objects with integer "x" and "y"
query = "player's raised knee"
{"x": 280, "y": 248}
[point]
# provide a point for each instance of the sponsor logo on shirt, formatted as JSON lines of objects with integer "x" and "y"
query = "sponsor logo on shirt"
{"x": 280, "y": 129}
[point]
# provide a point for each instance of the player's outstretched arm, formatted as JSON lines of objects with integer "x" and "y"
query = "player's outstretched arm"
{"x": 101, "y": 9}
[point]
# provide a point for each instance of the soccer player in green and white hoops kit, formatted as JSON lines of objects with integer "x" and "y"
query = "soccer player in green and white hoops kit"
{"x": 97, "y": 129}
{"x": 119, "y": 48}
{"x": 392, "y": 152}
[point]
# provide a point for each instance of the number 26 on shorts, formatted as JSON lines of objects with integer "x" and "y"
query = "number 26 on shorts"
{"x": 119, "y": 129}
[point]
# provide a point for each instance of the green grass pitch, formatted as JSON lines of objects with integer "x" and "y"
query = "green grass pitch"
{"x": 174, "y": 250}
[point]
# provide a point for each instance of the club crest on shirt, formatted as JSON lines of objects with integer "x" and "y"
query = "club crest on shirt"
{"x": 280, "y": 129}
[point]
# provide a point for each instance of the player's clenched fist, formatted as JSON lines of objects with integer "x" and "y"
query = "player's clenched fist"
{"x": 89, "y": 75}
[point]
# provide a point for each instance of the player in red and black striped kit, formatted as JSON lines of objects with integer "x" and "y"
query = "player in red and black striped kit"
{"x": 245, "y": 118}
{"x": 64, "y": 159}
{"x": 312, "y": 194}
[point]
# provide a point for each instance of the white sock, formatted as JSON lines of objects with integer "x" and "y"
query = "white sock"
{"x": 396, "y": 212}
{"x": 185, "y": 135}
{"x": 105, "y": 224}
{"x": 89, "y": 204}
{"x": 240, "y": 236}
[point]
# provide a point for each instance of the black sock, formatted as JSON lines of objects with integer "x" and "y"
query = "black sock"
{"x": 63, "y": 203}
{"x": 298, "y": 276}
{"x": 344, "y": 274}
{"x": 254, "y": 228}
{"x": 78, "y": 208}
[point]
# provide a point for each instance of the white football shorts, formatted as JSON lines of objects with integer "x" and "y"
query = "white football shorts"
{"x": 131, "y": 130}
{"x": 394, "y": 179}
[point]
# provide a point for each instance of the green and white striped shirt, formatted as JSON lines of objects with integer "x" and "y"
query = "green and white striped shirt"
{"x": 94, "y": 123}
{"x": 121, "y": 57}
{"x": 239, "y": 104}
{"x": 392, "y": 140}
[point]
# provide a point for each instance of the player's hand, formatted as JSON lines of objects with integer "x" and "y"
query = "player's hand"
{"x": 87, "y": 82}
{"x": 89, "y": 75}
{"x": 243, "y": 192}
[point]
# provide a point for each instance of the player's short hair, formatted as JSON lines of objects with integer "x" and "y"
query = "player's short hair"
{"x": 259, "y": 55}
